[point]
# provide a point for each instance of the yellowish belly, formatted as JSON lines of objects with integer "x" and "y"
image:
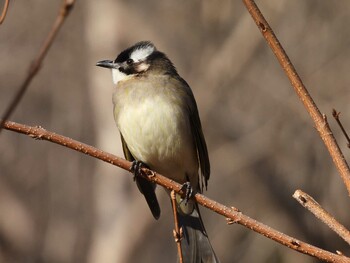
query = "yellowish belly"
{"x": 158, "y": 133}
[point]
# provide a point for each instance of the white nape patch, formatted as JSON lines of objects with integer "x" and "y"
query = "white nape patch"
{"x": 141, "y": 53}
{"x": 117, "y": 75}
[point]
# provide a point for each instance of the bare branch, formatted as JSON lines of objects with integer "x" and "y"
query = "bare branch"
{"x": 4, "y": 11}
{"x": 308, "y": 202}
{"x": 336, "y": 117}
{"x": 320, "y": 120}
{"x": 34, "y": 68}
{"x": 177, "y": 231}
{"x": 234, "y": 214}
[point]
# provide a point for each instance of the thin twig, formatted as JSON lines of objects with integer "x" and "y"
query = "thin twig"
{"x": 309, "y": 203}
{"x": 177, "y": 231}
{"x": 336, "y": 117}
{"x": 4, "y": 11}
{"x": 320, "y": 120}
{"x": 234, "y": 214}
{"x": 65, "y": 9}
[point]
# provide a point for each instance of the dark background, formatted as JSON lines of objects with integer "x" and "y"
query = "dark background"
{"x": 57, "y": 205}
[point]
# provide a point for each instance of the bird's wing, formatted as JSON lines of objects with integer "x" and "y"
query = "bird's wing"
{"x": 197, "y": 133}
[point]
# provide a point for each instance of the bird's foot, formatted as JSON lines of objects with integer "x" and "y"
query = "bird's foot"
{"x": 136, "y": 168}
{"x": 188, "y": 190}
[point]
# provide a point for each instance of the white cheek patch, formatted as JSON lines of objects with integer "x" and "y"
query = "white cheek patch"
{"x": 118, "y": 76}
{"x": 142, "y": 67}
{"x": 142, "y": 53}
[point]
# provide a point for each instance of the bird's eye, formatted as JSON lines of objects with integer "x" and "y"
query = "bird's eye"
{"x": 129, "y": 61}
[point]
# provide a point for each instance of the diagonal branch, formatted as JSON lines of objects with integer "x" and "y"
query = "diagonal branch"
{"x": 233, "y": 214}
{"x": 4, "y": 11}
{"x": 336, "y": 117}
{"x": 66, "y": 7}
{"x": 308, "y": 202}
{"x": 320, "y": 120}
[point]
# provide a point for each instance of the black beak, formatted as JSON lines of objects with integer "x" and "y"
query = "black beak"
{"x": 106, "y": 64}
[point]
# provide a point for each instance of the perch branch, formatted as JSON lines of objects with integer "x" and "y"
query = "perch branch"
{"x": 309, "y": 203}
{"x": 34, "y": 68}
{"x": 320, "y": 120}
{"x": 233, "y": 214}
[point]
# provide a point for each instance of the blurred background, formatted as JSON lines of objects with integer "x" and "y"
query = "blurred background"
{"x": 57, "y": 205}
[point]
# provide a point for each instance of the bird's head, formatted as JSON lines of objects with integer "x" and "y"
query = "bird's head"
{"x": 141, "y": 58}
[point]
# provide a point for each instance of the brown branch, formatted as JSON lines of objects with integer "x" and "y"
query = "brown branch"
{"x": 177, "y": 231}
{"x": 320, "y": 120}
{"x": 336, "y": 117}
{"x": 34, "y": 68}
{"x": 232, "y": 213}
{"x": 309, "y": 203}
{"x": 4, "y": 11}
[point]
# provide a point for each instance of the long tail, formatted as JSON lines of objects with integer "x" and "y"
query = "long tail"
{"x": 196, "y": 247}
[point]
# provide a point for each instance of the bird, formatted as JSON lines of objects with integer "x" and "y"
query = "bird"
{"x": 158, "y": 120}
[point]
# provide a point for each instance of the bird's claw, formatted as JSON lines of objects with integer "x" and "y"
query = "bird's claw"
{"x": 188, "y": 190}
{"x": 136, "y": 168}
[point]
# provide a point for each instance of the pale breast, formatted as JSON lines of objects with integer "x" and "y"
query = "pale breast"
{"x": 155, "y": 126}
